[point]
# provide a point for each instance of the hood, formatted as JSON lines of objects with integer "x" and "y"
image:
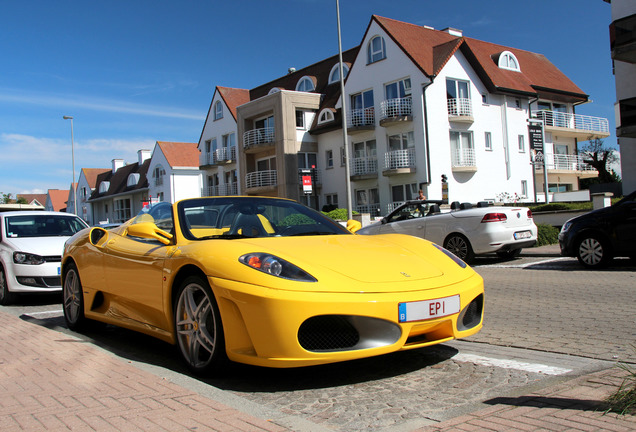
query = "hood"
{"x": 44, "y": 246}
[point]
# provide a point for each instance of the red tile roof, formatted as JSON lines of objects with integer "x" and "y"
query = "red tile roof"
{"x": 30, "y": 198}
{"x": 58, "y": 198}
{"x": 233, "y": 97}
{"x": 179, "y": 154}
{"x": 91, "y": 175}
{"x": 431, "y": 49}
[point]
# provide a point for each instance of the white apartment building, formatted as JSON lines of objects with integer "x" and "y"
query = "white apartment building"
{"x": 623, "y": 46}
{"x": 421, "y": 105}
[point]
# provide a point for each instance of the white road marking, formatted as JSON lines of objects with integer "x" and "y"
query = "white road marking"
{"x": 525, "y": 264}
{"x": 511, "y": 364}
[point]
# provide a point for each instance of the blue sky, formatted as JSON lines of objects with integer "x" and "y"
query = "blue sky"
{"x": 139, "y": 71}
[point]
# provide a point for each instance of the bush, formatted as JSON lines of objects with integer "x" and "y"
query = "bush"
{"x": 339, "y": 214}
{"x": 547, "y": 235}
{"x": 623, "y": 400}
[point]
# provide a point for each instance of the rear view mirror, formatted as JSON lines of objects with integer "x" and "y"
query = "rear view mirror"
{"x": 149, "y": 230}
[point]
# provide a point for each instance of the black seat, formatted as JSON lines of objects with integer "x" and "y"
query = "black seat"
{"x": 465, "y": 206}
{"x": 482, "y": 204}
{"x": 455, "y": 205}
{"x": 248, "y": 225}
{"x": 434, "y": 208}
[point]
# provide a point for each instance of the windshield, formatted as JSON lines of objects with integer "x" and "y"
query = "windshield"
{"x": 42, "y": 225}
{"x": 238, "y": 217}
{"x": 159, "y": 213}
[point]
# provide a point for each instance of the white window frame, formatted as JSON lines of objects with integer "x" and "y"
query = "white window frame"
{"x": 334, "y": 75}
{"x": 522, "y": 143}
{"x": 488, "y": 141}
{"x": 508, "y": 61}
{"x": 326, "y": 116}
{"x": 122, "y": 209}
{"x": 305, "y": 84}
{"x": 329, "y": 159}
{"x": 133, "y": 179}
{"x": 524, "y": 188}
{"x": 218, "y": 110}
{"x": 375, "y": 54}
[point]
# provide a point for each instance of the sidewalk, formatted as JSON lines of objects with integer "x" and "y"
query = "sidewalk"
{"x": 50, "y": 381}
{"x": 553, "y": 250}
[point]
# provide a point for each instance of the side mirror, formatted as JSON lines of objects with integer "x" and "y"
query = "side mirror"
{"x": 353, "y": 225}
{"x": 149, "y": 230}
{"x": 97, "y": 236}
{"x": 383, "y": 221}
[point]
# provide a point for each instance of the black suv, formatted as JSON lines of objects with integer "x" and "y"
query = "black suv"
{"x": 600, "y": 235}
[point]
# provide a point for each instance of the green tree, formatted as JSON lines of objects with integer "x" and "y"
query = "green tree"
{"x": 597, "y": 155}
{"x": 5, "y": 198}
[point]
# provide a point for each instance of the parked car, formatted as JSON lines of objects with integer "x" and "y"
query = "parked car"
{"x": 595, "y": 238}
{"x": 31, "y": 245}
{"x": 465, "y": 230}
{"x": 268, "y": 282}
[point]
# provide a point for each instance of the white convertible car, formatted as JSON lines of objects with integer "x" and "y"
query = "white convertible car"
{"x": 465, "y": 230}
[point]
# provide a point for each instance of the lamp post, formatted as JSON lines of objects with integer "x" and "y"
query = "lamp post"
{"x": 73, "y": 161}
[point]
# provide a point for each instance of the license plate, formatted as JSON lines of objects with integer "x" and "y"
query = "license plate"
{"x": 59, "y": 270}
{"x": 428, "y": 309}
{"x": 523, "y": 235}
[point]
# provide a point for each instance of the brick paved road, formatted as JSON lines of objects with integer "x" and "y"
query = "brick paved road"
{"x": 560, "y": 307}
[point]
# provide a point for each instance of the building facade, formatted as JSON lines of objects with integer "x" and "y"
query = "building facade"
{"x": 174, "y": 172}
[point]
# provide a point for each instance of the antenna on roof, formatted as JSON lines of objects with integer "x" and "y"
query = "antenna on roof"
{"x": 291, "y": 70}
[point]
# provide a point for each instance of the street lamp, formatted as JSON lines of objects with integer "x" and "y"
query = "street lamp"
{"x": 73, "y": 161}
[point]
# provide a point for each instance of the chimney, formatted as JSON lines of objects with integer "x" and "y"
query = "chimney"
{"x": 453, "y": 31}
{"x": 143, "y": 155}
{"x": 117, "y": 163}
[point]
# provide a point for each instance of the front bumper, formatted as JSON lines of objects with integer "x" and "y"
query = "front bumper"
{"x": 24, "y": 278}
{"x": 277, "y": 328}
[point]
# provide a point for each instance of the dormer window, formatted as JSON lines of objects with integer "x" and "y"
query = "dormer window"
{"x": 334, "y": 75}
{"x": 133, "y": 179}
{"x": 325, "y": 116}
{"x": 376, "y": 50}
{"x": 306, "y": 84}
{"x": 218, "y": 110}
{"x": 103, "y": 187}
{"x": 274, "y": 90}
{"x": 507, "y": 60}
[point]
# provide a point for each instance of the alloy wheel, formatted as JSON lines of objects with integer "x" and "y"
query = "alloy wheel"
{"x": 591, "y": 252}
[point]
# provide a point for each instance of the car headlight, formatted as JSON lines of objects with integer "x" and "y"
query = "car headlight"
{"x": 27, "y": 258}
{"x": 566, "y": 226}
{"x": 275, "y": 266}
{"x": 452, "y": 256}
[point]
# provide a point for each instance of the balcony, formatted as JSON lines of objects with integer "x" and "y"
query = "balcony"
{"x": 363, "y": 168}
{"x": 463, "y": 160}
{"x": 399, "y": 162}
{"x": 361, "y": 120}
{"x": 221, "y": 190}
{"x": 460, "y": 110}
{"x": 393, "y": 111}
{"x": 258, "y": 138}
{"x": 372, "y": 209}
{"x": 261, "y": 180}
{"x": 225, "y": 155}
{"x": 577, "y": 126}
{"x": 393, "y": 205}
{"x": 623, "y": 39}
{"x": 567, "y": 164}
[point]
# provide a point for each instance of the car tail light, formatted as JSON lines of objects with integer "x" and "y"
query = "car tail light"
{"x": 494, "y": 217}
{"x": 529, "y": 214}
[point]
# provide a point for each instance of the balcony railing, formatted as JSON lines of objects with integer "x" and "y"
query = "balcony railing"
{"x": 572, "y": 121}
{"x": 221, "y": 190}
{"x": 362, "y": 117}
{"x": 399, "y": 159}
{"x": 464, "y": 157}
{"x": 260, "y": 179}
{"x": 393, "y": 205}
{"x": 364, "y": 165}
{"x": 459, "y": 107}
{"x": 372, "y": 209}
{"x": 159, "y": 181}
{"x": 396, "y": 107}
{"x": 566, "y": 163}
{"x": 225, "y": 154}
{"x": 258, "y": 136}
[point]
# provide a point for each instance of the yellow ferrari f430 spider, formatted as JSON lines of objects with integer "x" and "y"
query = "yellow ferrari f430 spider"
{"x": 268, "y": 282}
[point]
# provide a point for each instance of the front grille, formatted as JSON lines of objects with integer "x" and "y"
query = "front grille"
{"x": 53, "y": 258}
{"x": 40, "y": 282}
{"x": 327, "y": 333}
{"x": 471, "y": 315}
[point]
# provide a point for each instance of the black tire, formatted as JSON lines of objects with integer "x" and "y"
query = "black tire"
{"x": 460, "y": 246}
{"x": 510, "y": 254}
{"x": 593, "y": 252}
{"x": 73, "y": 299}
{"x": 6, "y": 296}
{"x": 198, "y": 327}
